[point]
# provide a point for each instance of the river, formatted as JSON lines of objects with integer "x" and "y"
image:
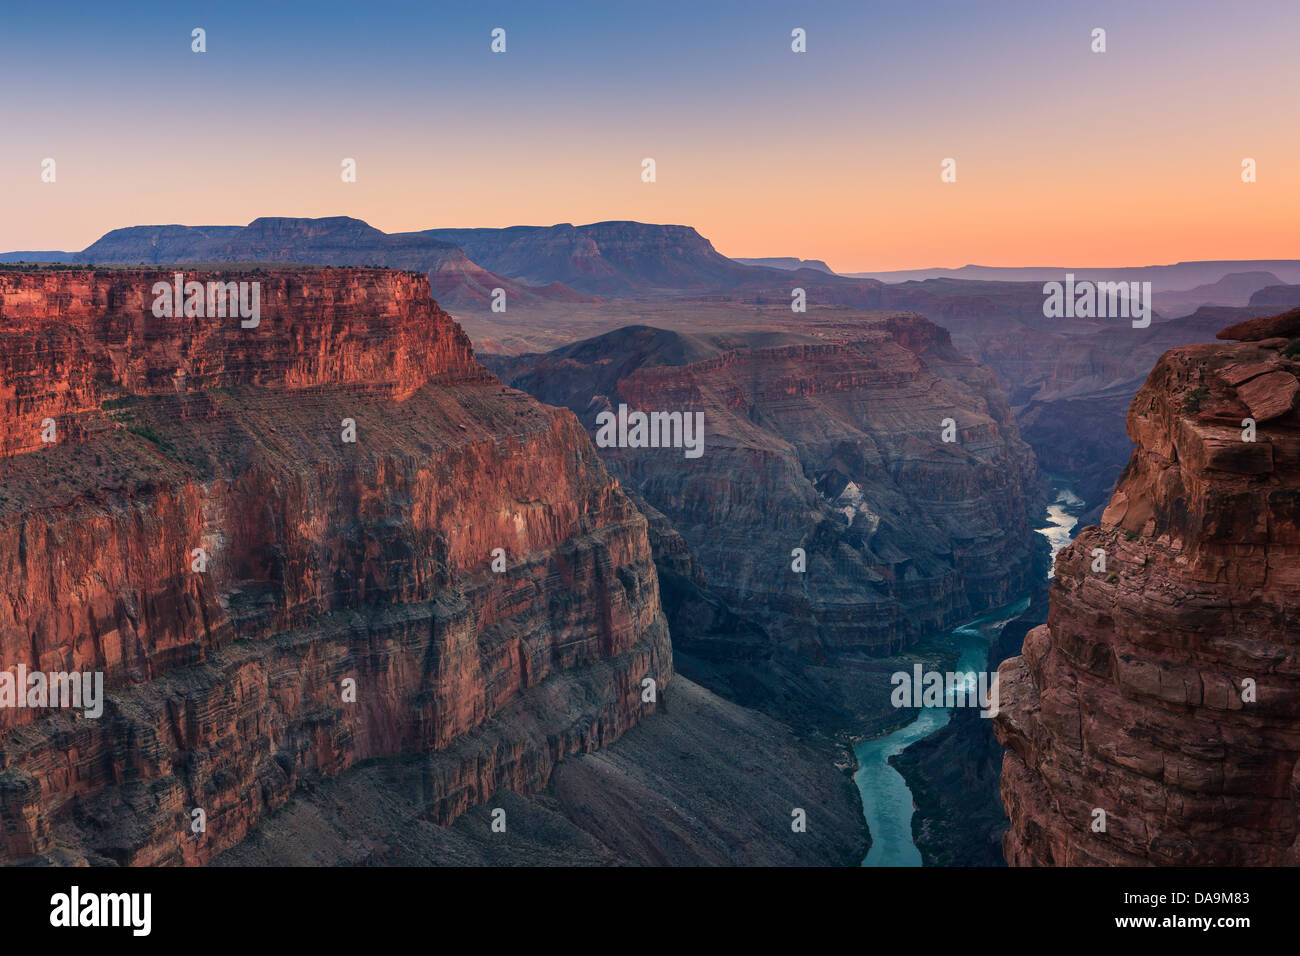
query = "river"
{"x": 886, "y": 800}
{"x": 1062, "y": 518}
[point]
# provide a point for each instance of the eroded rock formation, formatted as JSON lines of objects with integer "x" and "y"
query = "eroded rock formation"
{"x": 1164, "y": 689}
{"x": 833, "y": 444}
{"x": 325, "y": 560}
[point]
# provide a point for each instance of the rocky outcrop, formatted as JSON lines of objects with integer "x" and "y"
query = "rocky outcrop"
{"x": 271, "y": 603}
{"x": 79, "y": 341}
{"x": 1164, "y": 690}
{"x": 1260, "y": 329}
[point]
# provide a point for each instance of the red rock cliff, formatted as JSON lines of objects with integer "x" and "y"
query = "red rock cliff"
{"x": 327, "y": 560}
{"x": 76, "y": 337}
{"x": 1134, "y": 698}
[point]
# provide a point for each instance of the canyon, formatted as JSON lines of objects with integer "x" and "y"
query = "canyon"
{"x": 1153, "y": 718}
{"x": 828, "y": 524}
{"x": 1069, "y": 382}
{"x": 825, "y": 536}
{"x": 319, "y": 650}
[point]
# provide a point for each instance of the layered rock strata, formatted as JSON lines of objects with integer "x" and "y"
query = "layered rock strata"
{"x": 835, "y": 446}
{"x": 1155, "y": 718}
{"x": 270, "y": 602}
{"x": 859, "y": 485}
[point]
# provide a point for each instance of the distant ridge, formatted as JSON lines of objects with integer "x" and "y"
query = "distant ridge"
{"x": 618, "y": 259}
{"x": 788, "y": 262}
{"x": 37, "y": 256}
{"x": 533, "y": 264}
{"x": 335, "y": 240}
{"x": 603, "y": 258}
{"x": 1235, "y": 289}
{"x": 1163, "y": 278}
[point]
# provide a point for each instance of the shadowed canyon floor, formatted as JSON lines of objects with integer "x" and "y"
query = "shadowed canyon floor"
{"x": 703, "y": 781}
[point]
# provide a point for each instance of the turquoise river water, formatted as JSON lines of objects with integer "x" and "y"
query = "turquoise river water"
{"x": 886, "y": 799}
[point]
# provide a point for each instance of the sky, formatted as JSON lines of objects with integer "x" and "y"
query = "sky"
{"x": 1063, "y": 156}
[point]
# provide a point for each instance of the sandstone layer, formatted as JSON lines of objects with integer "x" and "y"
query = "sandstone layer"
{"x": 1164, "y": 689}
{"x": 326, "y": 561}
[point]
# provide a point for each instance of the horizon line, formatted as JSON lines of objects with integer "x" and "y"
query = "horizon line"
{"x": 640, "y": 222}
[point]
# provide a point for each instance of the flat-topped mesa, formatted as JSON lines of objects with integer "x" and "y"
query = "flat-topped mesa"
{"x": 73, "y": 339}
{"x": 1165, "y": 688}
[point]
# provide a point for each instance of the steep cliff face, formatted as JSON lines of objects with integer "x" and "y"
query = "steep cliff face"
{"x": 326, "y": 564}
{"x": 1164, "y": 690}
{"x": 833, "y": 445}
{"x": 74, "y": 339}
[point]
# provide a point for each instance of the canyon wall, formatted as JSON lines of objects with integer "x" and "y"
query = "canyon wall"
{"x": 1164, "y": 689}
{"x": 270, "y": 603}
{"x": 832, "y": 444}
